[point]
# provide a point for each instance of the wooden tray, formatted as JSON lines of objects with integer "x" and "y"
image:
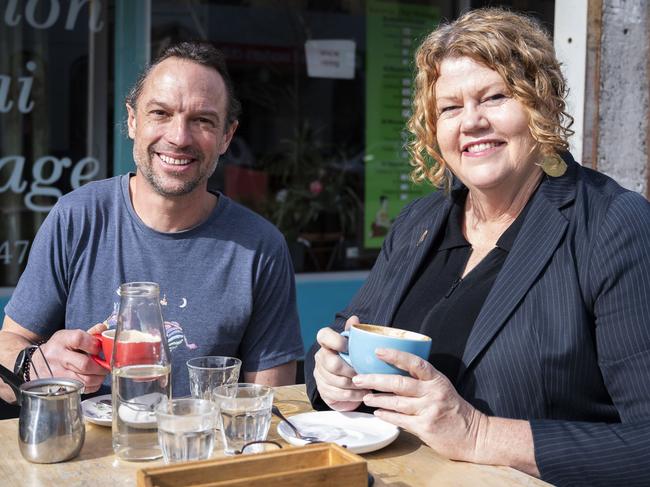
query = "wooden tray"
{"x": 322, "y": 464}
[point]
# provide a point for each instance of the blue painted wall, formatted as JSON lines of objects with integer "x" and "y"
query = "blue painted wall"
{"x": 3, "y": 302}
{"x": 321, "y": 296}
{"x": 132, "y": 32}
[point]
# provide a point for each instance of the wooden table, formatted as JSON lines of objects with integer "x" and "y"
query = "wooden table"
{"x": 406, "y": 462}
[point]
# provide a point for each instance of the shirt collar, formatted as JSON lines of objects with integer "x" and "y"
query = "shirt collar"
{"x": 453, "y": 231}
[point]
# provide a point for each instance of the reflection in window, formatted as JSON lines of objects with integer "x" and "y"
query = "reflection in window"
{"x": 52, "y": 139}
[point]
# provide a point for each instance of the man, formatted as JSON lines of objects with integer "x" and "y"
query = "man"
{"x": 225, "y": 276}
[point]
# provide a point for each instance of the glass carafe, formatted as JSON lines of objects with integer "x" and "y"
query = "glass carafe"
{"x": 141, "y": 372}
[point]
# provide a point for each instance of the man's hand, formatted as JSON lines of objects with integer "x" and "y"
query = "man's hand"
{"x": 333, "y": 376}
{"x": 67, "y": 354}
{"x": 98, "y": 329}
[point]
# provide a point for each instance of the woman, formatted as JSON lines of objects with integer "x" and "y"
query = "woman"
{"x": 530, "y": 273}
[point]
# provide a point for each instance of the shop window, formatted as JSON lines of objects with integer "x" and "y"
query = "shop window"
{"x": 53, "y": 118}
{"x": 319, "y": 146}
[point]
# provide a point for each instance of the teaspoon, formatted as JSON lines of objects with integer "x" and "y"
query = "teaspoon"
{"x": 299, "y": 435}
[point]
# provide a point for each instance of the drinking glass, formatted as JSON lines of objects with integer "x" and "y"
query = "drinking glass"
{"x": 208, "y": 373}
{"x": 186, "y": 429}
{"x": 244, "y": 415}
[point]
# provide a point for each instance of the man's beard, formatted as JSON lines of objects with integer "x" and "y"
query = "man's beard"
{"x": 158, "y": 183}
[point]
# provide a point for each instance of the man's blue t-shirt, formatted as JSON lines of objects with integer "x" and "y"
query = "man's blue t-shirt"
{"x": 226, "y": 286}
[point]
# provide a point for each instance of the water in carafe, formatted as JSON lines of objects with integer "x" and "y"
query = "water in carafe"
{"x": 141, "y": 372}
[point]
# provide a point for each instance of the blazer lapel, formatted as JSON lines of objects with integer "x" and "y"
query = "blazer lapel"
{"x": 536, "y": 243}
{"x": 421, "y": 238}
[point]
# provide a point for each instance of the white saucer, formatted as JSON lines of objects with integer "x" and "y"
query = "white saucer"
{"x": 359, "y": 432}
{"x": 140, "y": 411}
{"x": 98, "y": 412}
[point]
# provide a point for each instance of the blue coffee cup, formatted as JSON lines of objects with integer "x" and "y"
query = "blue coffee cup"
{"x": 364, "y": 339}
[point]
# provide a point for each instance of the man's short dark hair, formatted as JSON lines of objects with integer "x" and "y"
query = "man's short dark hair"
{"x": 200, "y": 52}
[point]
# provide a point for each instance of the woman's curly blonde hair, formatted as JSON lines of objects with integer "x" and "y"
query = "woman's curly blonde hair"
{"x": 513, "y": 45}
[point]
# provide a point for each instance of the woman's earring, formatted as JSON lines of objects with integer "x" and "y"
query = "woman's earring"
{"x": 553, "y": 165}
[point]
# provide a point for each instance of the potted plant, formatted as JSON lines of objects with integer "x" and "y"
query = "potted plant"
{"x": 315, "y": 197}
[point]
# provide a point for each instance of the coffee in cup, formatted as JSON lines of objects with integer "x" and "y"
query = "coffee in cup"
{"x": 135, "y": 347}
{"x": 364, "y": 339}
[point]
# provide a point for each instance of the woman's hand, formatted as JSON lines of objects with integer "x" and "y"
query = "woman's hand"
{"x": 425, "y": 404}
{"x": 333, "y": 376}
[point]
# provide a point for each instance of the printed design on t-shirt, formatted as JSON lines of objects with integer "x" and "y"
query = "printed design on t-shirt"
{"x": 173, "y": 329}
{"x": 176, "y": 336}
{"x": 111, "y": 321}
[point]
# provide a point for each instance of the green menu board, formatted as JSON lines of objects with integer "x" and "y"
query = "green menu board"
{"x": 393, "y": 32}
